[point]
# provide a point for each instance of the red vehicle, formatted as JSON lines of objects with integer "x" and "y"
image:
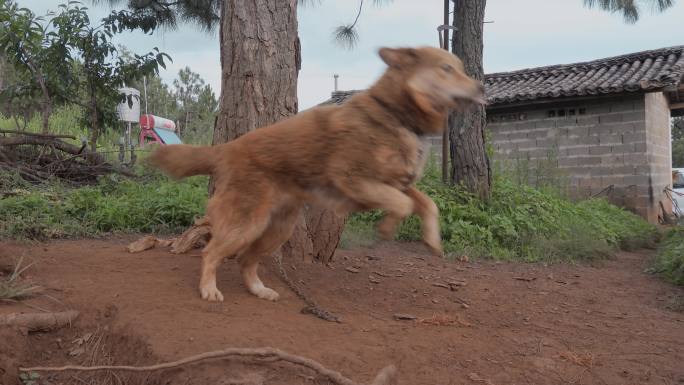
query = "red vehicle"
{"x": 155, "y": 129}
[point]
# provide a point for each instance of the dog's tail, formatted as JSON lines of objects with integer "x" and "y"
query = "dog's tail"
{"x": 183, "y": 160}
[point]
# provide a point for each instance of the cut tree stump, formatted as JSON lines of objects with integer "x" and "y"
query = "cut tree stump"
{"x": 196, "y": 236}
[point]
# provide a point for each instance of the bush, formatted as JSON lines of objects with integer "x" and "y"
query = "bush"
{"x": 523, "y": 223}
{"x": 670, "y": 259}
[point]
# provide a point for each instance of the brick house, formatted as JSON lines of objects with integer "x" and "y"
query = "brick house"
{"x": 604, "y": 124}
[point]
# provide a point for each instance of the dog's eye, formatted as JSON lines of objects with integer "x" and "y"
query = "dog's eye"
{"x": 447, "y": 68}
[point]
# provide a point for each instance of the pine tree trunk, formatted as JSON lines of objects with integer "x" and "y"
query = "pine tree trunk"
{"x": 470, "y": 163}
{"x": 260, "y": 61}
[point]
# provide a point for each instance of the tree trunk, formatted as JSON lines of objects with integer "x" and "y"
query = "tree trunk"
{"x": 470, "y": 162}
{"x": 94, "y": 120}
{"x": 260, "y": 61}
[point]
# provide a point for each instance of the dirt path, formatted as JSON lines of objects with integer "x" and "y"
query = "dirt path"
{"x": 502, "y": 324}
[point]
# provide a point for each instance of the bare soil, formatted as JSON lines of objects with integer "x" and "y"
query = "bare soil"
{"x": 476, "y": 322}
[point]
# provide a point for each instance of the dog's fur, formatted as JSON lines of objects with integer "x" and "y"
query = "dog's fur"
{"x": 364, "y": 154}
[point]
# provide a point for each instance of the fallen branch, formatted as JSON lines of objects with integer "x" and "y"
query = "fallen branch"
{"x": 39, "y": 321}
{"x": 385, "y": 377}
{"x": 38, "y": 135}
{"x": 61, "y": 145}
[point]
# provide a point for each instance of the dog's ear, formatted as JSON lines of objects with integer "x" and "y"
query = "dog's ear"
{"x": 398, "y": 57}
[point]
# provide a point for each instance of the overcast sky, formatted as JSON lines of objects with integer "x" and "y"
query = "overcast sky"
{"x": 524, "y": 33}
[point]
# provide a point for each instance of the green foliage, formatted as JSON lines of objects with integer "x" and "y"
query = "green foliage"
{"x": 153, "y": 204}
{"x": 631, "y": 9}
{"x": 66, "y": 59}
{"x": 523, "y": 223}
{"x": 670, "y": 259}
{"x": 678, "y": 142}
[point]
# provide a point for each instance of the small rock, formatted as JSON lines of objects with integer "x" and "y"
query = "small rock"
{"x": 352, "y": 269}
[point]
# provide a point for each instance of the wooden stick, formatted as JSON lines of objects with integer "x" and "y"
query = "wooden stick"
{"x": 36, "y": 134}
{"x": 384, "y": 377}
{"x": 39, "y": 321}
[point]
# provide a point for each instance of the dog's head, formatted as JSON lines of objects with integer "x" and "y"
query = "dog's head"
{"x": 435, "y": 79}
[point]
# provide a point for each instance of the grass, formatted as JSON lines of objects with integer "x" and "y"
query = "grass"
{"x": 669, "y": 261}
{"x": 152, "y": 204}
{"x": 10, "y": 286}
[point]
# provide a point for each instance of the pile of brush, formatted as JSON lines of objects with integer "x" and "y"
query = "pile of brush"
{"x": 41, "y": 157}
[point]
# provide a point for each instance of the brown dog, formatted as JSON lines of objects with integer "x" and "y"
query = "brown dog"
{"x": 365, "y": 154}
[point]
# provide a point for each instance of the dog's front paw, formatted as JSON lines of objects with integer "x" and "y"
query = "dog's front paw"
{"x": 435, "y": 248}
{"x": 266, "y": 293}
{"x": 211, "y": 293}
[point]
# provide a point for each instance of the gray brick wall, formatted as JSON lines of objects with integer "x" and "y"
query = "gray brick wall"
{"x": 623, "y": 142}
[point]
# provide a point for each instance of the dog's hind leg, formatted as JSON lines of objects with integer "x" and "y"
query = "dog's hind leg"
{"x": 278, "y": 232}
{"x": 233, "y": 230}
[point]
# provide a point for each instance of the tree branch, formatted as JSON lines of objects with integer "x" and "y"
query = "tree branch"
{"x": 385, "y": 377}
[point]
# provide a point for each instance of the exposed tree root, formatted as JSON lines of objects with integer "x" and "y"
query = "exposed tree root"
{"x": 386, "y": 376}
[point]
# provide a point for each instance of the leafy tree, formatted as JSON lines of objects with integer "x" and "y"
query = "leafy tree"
{"x": 70, "y": 59}
{"x": 39, "y": 57}
{"x": 188, "y": 87}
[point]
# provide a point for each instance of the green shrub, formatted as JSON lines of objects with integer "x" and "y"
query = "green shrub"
{"x": 523, "y": 223}
{"x": 670, "y": 259}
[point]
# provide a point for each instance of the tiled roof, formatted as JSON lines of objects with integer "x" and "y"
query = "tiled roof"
{"x": 648, "y": 71}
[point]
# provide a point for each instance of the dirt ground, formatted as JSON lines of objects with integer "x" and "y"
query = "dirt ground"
{"x": 476, "y": 323}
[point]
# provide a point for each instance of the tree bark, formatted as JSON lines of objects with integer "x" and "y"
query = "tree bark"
{"x": 258, "y": 65}
{"x": 260, "y": 61}
{"x": 470, "y": 162}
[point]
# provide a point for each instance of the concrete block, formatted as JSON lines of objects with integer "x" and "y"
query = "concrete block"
{"x": 623, "y": 148}
{"x": 566, "y": 122}
{"x": 637, "y": 180}
{"x": 599, "y": 129}
{"x": 588, "y": 140}
{"x": 635, "y": 116}
{"x": 611, "y": 118}
{"x": 578, "y": 131}
{"x": 605, "y": 139}
{"x": 547, "y": 143}
{"x": 613, "y": 160}
{"x": 587, "y": 120}
{"x": 634, "y": 137}
{"x": 517, "y": 135}
{"x": 536, "y": 134}
{"x": 572, "y": 151}
{"x": 568, "y": 142}
{"x": 589, "y": 160}
{"x": 600, "y": 150}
